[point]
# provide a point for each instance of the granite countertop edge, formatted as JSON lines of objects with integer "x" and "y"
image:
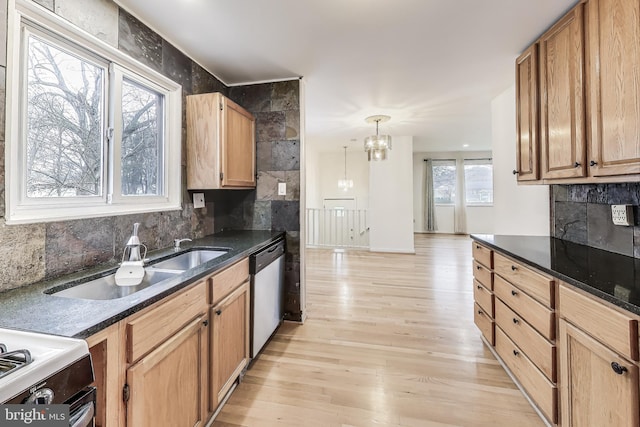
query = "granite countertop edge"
{"x": 487, "y": 240}
{"x": 28, "y": 308}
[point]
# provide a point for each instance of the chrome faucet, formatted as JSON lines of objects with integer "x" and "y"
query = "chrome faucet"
{"x": 132, "y": 248}
{"x": 176, "y": 243}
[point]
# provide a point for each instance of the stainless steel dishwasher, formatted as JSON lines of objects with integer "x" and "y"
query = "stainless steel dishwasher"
{"x": 267, "y": 293}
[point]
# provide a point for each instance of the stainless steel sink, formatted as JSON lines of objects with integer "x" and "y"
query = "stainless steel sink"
{"x": 187, "y": 260}
{"x": 105, "y": 288}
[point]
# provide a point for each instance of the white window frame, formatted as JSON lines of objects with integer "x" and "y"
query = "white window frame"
{"x": 478, "y": 161}
{"x": 18, "y": 208}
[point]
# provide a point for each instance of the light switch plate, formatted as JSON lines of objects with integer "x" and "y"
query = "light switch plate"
{"x": 198, "y": 200}
{"x": 622, "y": 214}
{"x": 282, "y": 189}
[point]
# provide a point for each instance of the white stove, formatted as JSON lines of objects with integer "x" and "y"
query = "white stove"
{"x": 28, "y": 359}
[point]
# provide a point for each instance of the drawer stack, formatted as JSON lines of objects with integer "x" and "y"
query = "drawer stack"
{"x": 524, "y": 325}
{"x": 484, "y": 307}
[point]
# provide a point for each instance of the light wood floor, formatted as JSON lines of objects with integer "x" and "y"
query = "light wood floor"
{"x": 389, "y": 341}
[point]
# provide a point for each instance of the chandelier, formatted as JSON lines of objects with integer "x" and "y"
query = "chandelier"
{"x": 377, "y": 145}
{"x": 345, "y": 184}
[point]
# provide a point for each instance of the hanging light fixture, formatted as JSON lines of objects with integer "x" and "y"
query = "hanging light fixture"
{"x": 345, "y": 184}
{"x": 377, "y": 145}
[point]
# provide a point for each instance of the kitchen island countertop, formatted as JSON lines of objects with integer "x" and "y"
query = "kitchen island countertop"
{"x": 29, "y": 308}
{"x": 612, "y": 277}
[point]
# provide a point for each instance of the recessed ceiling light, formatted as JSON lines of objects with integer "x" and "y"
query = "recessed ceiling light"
{"x": 465, "y": 145}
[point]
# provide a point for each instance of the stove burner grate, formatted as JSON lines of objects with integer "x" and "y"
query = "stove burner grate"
{"x": 11, "y": 361}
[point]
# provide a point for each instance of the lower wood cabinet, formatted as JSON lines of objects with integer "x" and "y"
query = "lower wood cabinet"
{"x": 173, "y": 363}
{"x": 598, "y": 386}
{"x": 167, "y": 387}
{"x": 229, "y": 342}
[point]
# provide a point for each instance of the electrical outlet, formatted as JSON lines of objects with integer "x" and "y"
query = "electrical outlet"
{"x": 282, "y": 189}
{"x": 622, "y": 214}
{"x": 198, "y": 200}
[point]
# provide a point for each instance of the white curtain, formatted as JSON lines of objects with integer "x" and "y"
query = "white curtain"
{"x": 460, "y": 215}
{"x": 429, "y": 203}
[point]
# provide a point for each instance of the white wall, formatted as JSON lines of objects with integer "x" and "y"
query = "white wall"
{"x": 313, "y": 197}
{"x": 391, "y": 199}
{"x": 518, "y": 209}
{"x": 331, "y": 169}
{"x": 479, "y": 218}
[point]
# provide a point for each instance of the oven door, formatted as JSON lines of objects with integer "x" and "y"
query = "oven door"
{"x": 82, "y": 408}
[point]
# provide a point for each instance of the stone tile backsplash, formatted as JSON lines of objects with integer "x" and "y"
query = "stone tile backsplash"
{"x": 276, "y": 107}
{"x": 581, "y": 213}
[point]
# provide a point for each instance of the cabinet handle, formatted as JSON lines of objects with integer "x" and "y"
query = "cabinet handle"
{"x": 618, "y": 369}
{"x": 479, "y": 287}
{"x": 480, "y": 312}
{"x": 477, "y": 246}
{"x": 576, "y": 165}
{"x": 514, "y": 268}
{"x": 514, "y": 293}
{"x": 478, "y": 267}
{"x": 218, "y": 312}
{"x": 515, "y": 172}
{"x": 516, "y": 353}
{"x": 515, "y": 321}
{"x": 205, "y": 323}
{"x": 593, "y": 163}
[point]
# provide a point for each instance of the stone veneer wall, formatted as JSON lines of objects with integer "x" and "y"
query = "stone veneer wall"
{"x": 276, "y": 107}
{"x": 582, "y": 214}
{"x": 34, "y": 252}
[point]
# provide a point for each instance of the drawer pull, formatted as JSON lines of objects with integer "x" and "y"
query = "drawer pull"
{"x": 617, "y": 368}
{"x": 516, "y": 353}
{"x": 515, "y": 321}
{"x": 514, "y": 293}
{"x": 480, "y": 312}
{"x": 514, "y": 268}
{"x": 479, "y": 286}
{"x": 478, "y": 267}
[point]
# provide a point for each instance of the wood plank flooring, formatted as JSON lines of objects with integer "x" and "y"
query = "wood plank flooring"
{"x": 389, "y": 341}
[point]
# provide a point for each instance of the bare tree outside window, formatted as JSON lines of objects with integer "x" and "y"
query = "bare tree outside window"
{"x": 478, "y": 176}
{"x": 444, "y": 181}
{"x": 64, "y": 123}
{"x": 141, "y": 140}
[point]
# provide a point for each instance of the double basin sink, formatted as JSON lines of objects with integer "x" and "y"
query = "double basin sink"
{"x": 105, "y": 288}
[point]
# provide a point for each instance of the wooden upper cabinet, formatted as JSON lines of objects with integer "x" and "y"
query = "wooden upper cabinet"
{"x": 562, "y": 112}
{"x": 527, "y": 115}
{"x": 613, "y": 75}
{"x": 221, "y": 148}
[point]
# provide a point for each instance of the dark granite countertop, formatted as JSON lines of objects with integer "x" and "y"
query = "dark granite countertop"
{"x": 612, "y": 277}
{"x": 30, "y": 309}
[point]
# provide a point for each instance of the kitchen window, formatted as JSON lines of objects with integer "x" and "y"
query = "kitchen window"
{"x": 478, "y": 181}
{"x": 90, "y": 132}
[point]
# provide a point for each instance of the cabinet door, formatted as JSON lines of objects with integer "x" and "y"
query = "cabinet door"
{"x": 203, "y": 133}
{"x": 613, "y": 31}
{"x": 527, "y": 115}
{"x": 562, "y": 112}
{"x": 592, "y": 392}
{"x": 168, "y": 386}
{"x": 238, "y": 147}
{"x": 229, "y": 342}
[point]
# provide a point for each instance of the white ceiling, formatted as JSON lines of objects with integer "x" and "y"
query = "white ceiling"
{"x": 432, "y": 65}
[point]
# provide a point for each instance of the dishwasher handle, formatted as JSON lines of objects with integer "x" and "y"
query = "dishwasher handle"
{"x": 266, "y": 256}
